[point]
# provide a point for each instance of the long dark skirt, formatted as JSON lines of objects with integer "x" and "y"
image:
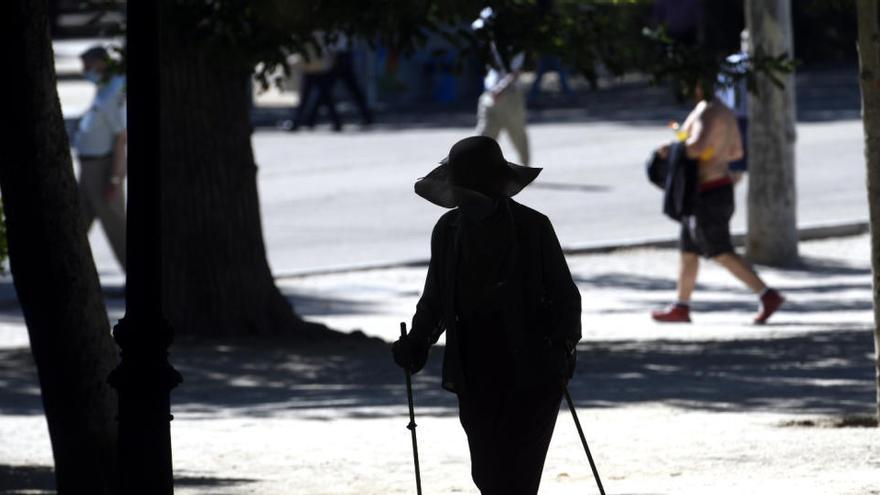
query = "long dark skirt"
{"x": 508, "y": 426}
{"x": 508, "y": 435}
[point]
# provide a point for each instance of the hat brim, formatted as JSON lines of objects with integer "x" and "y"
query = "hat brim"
{"x": 438, "y": 187}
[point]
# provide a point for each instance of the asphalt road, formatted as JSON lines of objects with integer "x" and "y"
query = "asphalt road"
{"x": 343, "y": 200}
{"x": 339, "y": 200}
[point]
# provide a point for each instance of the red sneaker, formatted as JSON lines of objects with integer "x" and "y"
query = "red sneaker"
{"x": 770, "y": 302}
{"x": 675, "y": 313}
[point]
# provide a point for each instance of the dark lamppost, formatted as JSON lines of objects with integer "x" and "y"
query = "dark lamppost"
{"x": 144, "y": 378}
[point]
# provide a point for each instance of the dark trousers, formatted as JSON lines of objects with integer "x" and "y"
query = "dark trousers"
{"x": 93, "y": 181}
{"x": 316, "y": 92}
{"x": 343, "y": 70}
{"x": 509, "y": 432}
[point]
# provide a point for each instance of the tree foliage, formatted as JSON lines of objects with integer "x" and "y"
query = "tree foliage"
{"x": 686, "y": 66}
{"x": 587, "y": 35}
{"x": 4, "y": 249}
{"x": 616, "y": 35}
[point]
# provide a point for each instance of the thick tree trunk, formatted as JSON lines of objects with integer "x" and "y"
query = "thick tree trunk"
{"x": 217, "y": 279}
{"x": 772, "y": 222}
{"x": 869, "y": 78}
{"x": 50, "y": 259}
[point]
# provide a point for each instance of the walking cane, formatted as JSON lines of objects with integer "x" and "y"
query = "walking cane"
{"x": 412, "y": 419}
{"x": 577, "y": 424}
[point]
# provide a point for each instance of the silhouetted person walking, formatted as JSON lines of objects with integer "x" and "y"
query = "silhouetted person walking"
{"x": 499, "y": 286}
{"x": 343, "y": 71}
{"x": 317, "y": 89}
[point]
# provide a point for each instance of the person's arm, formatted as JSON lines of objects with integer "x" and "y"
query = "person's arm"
{"x": 117, "y": 175}
{"x": 115, "y": 116}
{"x": 735, "y": 150}
{"x": 562, "y": 306}
{"x": 698, "y": 143}
{"x": 120, "y": 148}
{"x": 563, "y": 297}
{"x": 505, "y": 83}
{"x": 427, "y": 323}
{"x": 510, "y": 79}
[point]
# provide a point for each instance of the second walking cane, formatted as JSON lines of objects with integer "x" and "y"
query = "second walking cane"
{"x": 580, "y": 430}
{"x": 412, "y": 418}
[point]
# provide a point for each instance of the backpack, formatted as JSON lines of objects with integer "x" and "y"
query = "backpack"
{"x": 657, "y": 169}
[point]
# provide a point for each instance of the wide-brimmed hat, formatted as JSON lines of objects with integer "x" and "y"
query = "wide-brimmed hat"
{"x": 475, "y": 167}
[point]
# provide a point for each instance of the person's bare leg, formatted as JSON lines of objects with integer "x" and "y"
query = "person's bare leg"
{"x": 679, "y": 312}
{"x": 742, "y": 270}
{"x": 770, "y": 300}
{"x": 688, "y": 267}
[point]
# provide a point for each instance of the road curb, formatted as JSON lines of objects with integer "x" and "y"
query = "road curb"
{"x": 809, "y": 232}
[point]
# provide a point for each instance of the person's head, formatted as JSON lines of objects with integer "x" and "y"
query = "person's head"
{"x": 484, "y": 22}
{"x": 474, "y": 172}
{"x": 95, "y": 61}
{"x": 744, "y": 41}
{"x": 476, "y": 163}
{"x": 699, "y": 89}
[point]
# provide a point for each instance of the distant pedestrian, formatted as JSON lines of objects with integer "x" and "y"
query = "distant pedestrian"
{"x": 100, "y": 143}
{"x": 316, "y": 90}
{"x": 545, "y": 11}
{"x": 343, "y": 71}
{"x": 498, "y": 285}
{"x": 735, "y": 94}
{"x": 549, "y": 63}
{"x": 501, "y": 106}
{"x": 712, "y": 139}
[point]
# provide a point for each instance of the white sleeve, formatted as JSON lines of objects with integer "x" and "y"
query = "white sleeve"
{"x": 517, "y": 63}
{"x": 114, "y": 113}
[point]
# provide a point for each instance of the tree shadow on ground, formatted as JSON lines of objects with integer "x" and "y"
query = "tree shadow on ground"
{"x": 633, "y": 281}
{"x": 815, "y": 267}
{"x": 800, "y": 306}
{"x": 828, "y": 372}
{"x": 26, "y": 480}
{"x": 39, "y": 480}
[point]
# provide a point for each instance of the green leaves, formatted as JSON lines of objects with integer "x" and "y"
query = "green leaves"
{"x": 687, "y": 66}
{"x": 586, "y": 35}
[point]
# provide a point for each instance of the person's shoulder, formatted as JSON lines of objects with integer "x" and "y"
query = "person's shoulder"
{"x": 112, "y": 92}
{"x": 715, "y": 109}
{"x": 720, "y": 110}
{"x": 447, "y": 219}
{"x": 526, "y": 213}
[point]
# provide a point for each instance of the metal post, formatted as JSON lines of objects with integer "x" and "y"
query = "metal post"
{"x": 144, "y": 378}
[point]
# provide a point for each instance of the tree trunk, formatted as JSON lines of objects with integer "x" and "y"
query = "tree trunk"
{"x": 54, "y": 275}
{"x": 215, "y": 272}
{"x": 869, "y": 78}
{"x": 772, "y": 222}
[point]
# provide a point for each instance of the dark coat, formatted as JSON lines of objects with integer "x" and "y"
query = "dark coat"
{"x": 548, "y": 311}
{"x": 681, "y": 183}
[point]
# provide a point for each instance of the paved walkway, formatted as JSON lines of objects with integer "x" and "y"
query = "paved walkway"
{"x": 716, "y": 407}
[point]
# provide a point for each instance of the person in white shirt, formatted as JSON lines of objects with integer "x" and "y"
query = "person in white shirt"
{"x": 100, "y": 143}
{"x": 735, "y": 94}
{"x": 502, "y": 106}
